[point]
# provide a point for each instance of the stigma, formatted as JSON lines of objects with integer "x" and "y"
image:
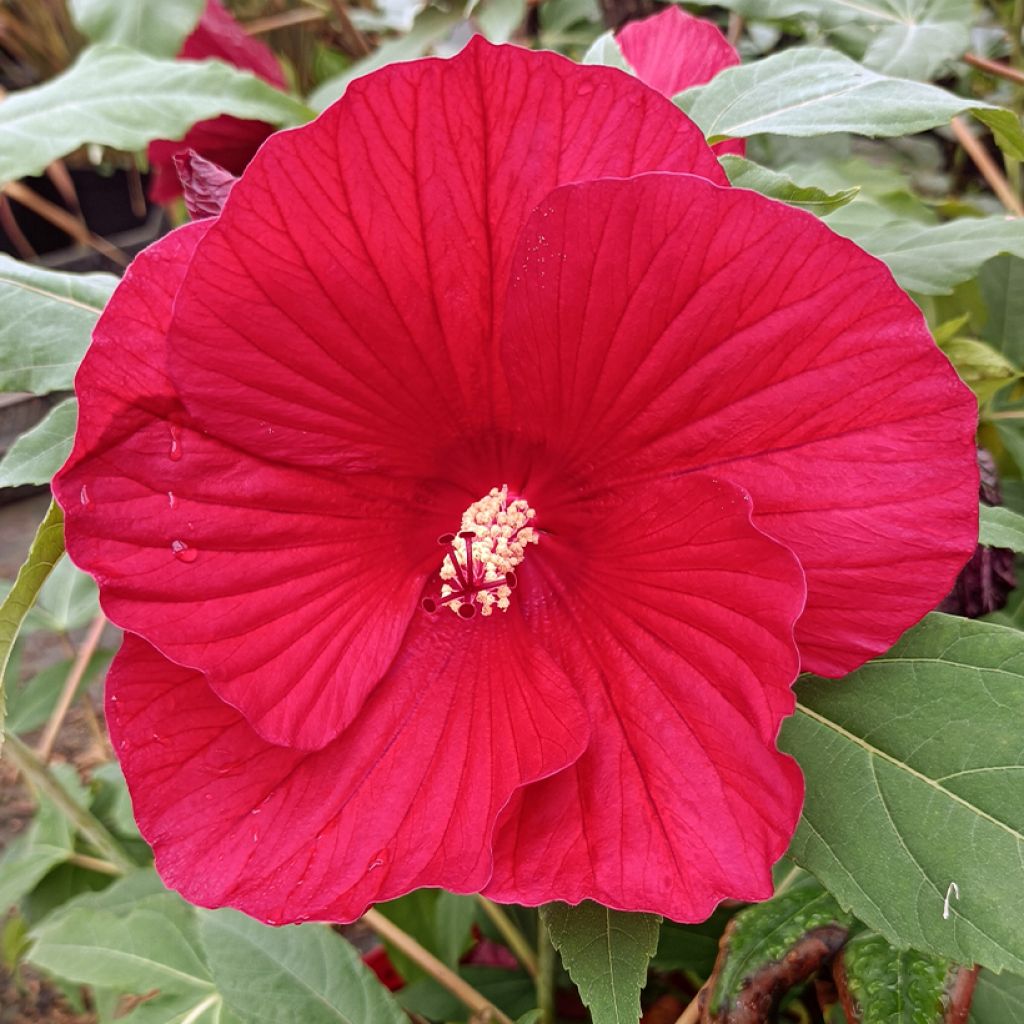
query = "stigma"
{"x": 479, "y": 570}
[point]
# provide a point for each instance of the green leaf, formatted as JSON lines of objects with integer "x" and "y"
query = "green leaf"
{"x": 499, "y": 19}
{"x": 46, "y": 319}
{"x": 774, "y": 946}
{"x": 46, "y": 549}
{"x": 158, "y": 27}
{"x": 914, "y": 777}
{"x": 691, "y": 947}
{"x": 984, "y": 370}
{"x": 304, "y": 973}
{"x": 1002, "y": 287}
{"x": 47, "y": 842}
{"x": 931, "y": 259}
{"x": 745, "y": 173}
{"x": 68, "y": 600}
{"x": 1001, "y": 528}
{"x": 454, "y": 919}
{"x": 118, "y": 97}
{"x": 998, "y": 999}
{"x": 807, "y": 91}
{"x": 606, "y": 953}
{"x": 430, "y": 27}
{"x": 607, "y": 52}
{"x": 151, "y": 945}
{"x": 882, "y": 985}
{"x": 41, "y": 451}
{"x": 29, "y": 706}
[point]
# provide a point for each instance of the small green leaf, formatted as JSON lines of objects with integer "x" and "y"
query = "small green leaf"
{"x": 1001, "y": 528}
{"x": 454, "y": 919}
{"x": 606, "y": 953}
{"x": 46, "y": 549}
{"x": 41, "y": 451}
{"x": 1002, "y": 287}
{"x": 304, "y": 973}
{"x": 772, "y": 947}
{"x": 913, "y": 784}
{"x": 806, "y": 91}
{"x": 984, "y": 370}
{"x": 882, "y": 985}
{"x": 607, "y": 52}
{"x": 29, "y": 706}
{"x": 157, "y": 27}
{"x": 121, "y": 98}
{"x": 68, "y": 600}
{"x": 46, "y": 319}
{"x": 745, "y": 173}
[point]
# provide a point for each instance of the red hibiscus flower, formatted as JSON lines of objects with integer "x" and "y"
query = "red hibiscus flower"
{"x": 459, "y": 486}
{"x": 673, "y": 51}
{"x": 226, "y": 141}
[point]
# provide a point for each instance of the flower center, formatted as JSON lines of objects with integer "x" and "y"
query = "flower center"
{"x": 479, "y": 571}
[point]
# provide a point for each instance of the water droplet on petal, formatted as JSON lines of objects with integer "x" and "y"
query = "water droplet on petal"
{"x": 171, "y": 499}
{"x": 182, "y": 552}
{"x": 377, "y": 862}
{"x": 175, "y": 451}
{"x": 83, "y": 495}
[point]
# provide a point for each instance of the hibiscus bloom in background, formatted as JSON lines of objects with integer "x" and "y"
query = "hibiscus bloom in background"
{"x": 227, "y": 141}
{"x": 673, "y": 51}
{"x": 461, "y": 484}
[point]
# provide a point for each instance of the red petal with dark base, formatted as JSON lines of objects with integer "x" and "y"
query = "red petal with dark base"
{"x": 675, "y": 616}
{"x": 712, "y": 329}
{"x": 673, "y": 50}
{"x": 406, "y": 798}
{"x": 291, "y": 590}
{"x": 362, "y": 263}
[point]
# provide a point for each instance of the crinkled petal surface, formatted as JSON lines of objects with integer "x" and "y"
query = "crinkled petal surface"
{"x": 674, "y": 614}
{"x": 206, "y": 185}
{"x": 292, "y": 589}
{"x": 343, "y": 309}
{"x": 673, "y": 50}
{"x": 711, "y": 329}
{"x": 407, "y": 797}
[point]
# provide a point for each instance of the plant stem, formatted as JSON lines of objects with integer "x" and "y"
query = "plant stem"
{"x": 692, "y": 1013}
{"x": 78, "y": 667}
{"x": 441, "y": 973}
{"x": 546, "y": 964}
{"x": 994, "y": 67}
{"x": 511, "y": 934}
{"x": 991, "y": 173}
{"x": 42, "y": 779}
{"x": 102, "y": 867}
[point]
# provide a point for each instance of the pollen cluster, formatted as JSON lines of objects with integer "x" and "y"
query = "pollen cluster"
{"x": 479, "y": 571}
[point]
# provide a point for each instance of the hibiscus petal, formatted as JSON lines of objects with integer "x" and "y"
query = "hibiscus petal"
{"x": 712, "y": 329}
{"x": 291, "y": 590}
{"x": 406, "y": 798}
{"x": 206, "y": 185}
{"x": 675, "y": 616}
{"x": 220, "y": 36}
{"x": 348, "y": 293}
{"x": 673, "y": 50}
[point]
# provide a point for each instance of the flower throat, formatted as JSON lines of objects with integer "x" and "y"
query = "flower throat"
{"x": 479, "y": 570}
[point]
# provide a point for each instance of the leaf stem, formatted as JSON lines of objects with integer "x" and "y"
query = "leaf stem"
{"x": 43, "y": 780}
{"x": 78, "y": 667}
{"x": 692, "y": 1012}
{"x": 511, "y": 934}
{"x": 101, "y": 867}
{"x": 997, "y": 181}
{"x": 546, "y": 964}
{"x": 441, "y": 973}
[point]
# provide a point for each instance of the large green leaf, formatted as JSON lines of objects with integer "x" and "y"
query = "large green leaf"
{"x": 306, "y": 973}
{"x": 122, "y": 98}
{"x": 151, "y": 945}
{"x": 158, "y": 27}
{"x": 932, "y": 259}
{"x": 41, "y": 451}
{"x": 46, "y": 549}
{"x": 808, "y": 91}
{"x": 46, "y": 319}
{"x": 606, "y": 953}
{"x": 745, "y": 173}
{"x": 914, "y": 772}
